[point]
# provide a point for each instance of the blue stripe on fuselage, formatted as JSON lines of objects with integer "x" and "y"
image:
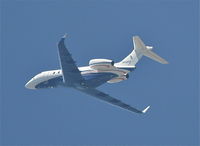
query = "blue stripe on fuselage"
{"x": 89, "y": 77}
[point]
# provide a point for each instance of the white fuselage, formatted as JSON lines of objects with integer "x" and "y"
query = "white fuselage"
{"x": 47, "y": 75}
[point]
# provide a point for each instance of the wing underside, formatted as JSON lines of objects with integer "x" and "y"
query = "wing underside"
{"x": 71, "y": 73}
{"x": 97, "y": 79}
{"x": 113, "y": 101}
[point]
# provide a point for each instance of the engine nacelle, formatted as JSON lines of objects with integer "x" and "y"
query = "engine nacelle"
{"x": 119, "y": 79}
{"x": 101, "y": 64}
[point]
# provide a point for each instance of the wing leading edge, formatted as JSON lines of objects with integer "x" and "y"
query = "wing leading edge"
{"x": 107, "y": 98}
{"x": 71, "y": 73}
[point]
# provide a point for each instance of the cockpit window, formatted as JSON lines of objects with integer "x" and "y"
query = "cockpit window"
{"x": 58, "y": 71}
{"x": 54, "y": 72}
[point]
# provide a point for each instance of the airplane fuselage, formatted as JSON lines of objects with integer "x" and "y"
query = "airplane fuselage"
{"x": 54, "y": 78}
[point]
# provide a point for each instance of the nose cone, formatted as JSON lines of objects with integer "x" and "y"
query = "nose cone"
{"x": 30, "y": 85}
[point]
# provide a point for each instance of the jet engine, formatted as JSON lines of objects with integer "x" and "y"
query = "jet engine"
{"x": 119, "y": 79}
{"x": 101, "y": 64}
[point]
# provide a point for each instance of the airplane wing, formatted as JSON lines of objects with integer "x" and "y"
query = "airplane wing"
{"x": 107, "y": 98}
{"x": 71, "y": 73}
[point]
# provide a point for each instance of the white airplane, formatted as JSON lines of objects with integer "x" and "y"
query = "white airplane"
{"x": 86, "y": 79}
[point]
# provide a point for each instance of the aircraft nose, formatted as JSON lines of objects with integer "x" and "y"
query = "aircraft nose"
{"x": 29, "y": 85}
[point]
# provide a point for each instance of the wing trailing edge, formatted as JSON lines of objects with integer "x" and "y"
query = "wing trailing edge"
{"x": 111, "y": 100}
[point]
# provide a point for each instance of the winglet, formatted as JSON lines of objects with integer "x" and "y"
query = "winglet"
{"x": 146, "y": 109}
{"x": 64, "y": 36}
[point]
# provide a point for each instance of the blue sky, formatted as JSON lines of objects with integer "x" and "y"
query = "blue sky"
{"x": 100, "y": 29}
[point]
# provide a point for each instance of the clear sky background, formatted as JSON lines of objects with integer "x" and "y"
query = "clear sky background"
{"x": 30, "y": 30}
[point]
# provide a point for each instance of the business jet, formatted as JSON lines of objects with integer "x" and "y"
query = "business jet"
{"x": 86, "y": 79}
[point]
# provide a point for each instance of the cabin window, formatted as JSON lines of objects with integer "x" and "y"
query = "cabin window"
{"x": 54, "y": 72}
{"x": 58, "y": 71}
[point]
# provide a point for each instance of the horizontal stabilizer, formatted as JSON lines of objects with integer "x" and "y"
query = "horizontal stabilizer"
{"x": 154, "y": 56}
{"x": 141, "y": 48}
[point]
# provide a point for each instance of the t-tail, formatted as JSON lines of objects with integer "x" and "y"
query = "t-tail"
{"x": 140, "y": 49}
